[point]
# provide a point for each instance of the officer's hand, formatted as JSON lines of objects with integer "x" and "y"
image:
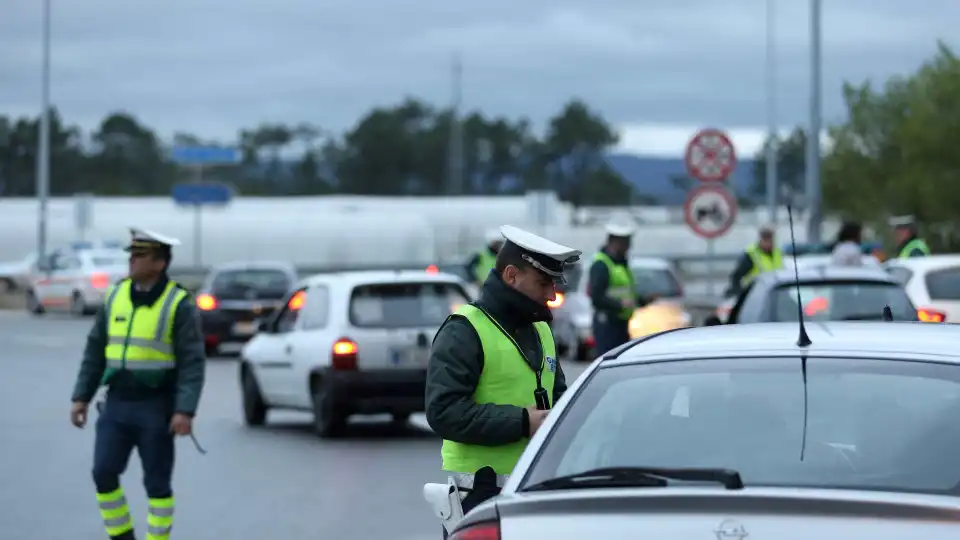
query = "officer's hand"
{"x": 536, "y": 418}
{"x": 181, "y": 424}
{"x": 78, "y": 414}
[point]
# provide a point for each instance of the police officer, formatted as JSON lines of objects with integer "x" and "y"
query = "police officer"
{"x": 909, "y": 243}
{"x": 483, "y": 261}
{"x": 493, "y": 372}
{"x": 761, "y": 256}
{"x": 612, "y": 290}
{"x": 145, "y": 346}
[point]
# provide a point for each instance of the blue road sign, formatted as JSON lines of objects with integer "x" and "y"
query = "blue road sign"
{"x": 205, "y": 155}
{"x": 202, "y": 194}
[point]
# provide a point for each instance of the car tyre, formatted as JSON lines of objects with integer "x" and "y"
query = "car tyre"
{"x": 211, "y": 350}
{"x": 254, "y": 407}
{"x": 78, "y": 306}
{"x": 33, "y": 305}
{"x": 327, "y": 421}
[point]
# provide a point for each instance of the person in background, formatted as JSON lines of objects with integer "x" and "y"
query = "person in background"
{"x": 848, "y": 251}
{"x": 909, "y": 243}
{"x": 612, "y": 290}
{"x": 759, "y": 257}
{"x": 482, "y": 262}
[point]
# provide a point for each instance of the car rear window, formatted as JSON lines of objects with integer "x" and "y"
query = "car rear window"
{"x": 110, "y": 260}
{"x": 260, "y": 283}
{"x": 944, "y": 284}
{"x": 658, "y": 282}
{"x": 842, "y": 301}
{"x": 404, "y": 305}
{"x": 870, "y": 424}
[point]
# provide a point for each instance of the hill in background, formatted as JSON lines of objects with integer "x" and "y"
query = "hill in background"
{"x": 651, "y": 176}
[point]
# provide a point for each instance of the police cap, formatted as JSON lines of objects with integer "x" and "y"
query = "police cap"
{"x": 143, "y": 240}
{"x": 546, "y": 256}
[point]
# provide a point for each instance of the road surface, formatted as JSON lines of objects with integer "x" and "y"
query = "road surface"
{"x": 274, "y": 482}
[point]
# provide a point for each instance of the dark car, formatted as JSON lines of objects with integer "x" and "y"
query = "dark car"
{"x": 234, "y": 296}
{"x": 827, "y": 293}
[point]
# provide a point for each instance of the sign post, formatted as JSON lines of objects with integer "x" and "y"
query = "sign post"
{"x": 710, "y": 209}
{"x": 199, "y": 193}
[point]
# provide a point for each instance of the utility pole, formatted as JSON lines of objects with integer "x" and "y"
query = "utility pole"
{"x": 455, "y": 156}
{"x": 772, "y": 150}
{"x": 814, "y": 192}
{"x": 43, "y": 145}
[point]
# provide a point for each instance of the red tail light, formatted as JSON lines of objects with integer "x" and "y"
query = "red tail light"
{"x": 99, "y": 280}
{"x": 432, "y": 269}
{"x": 344, "y": 354}
{"x": 556, "y": 302}
{"x": 816, "y": 305}
{"x": 297, "y": 300}
{"x": 482, "y": 531}
{"x": 206, "y": 302}
{"x": 931, "y": 315}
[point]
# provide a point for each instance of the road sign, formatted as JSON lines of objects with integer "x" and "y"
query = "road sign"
{"x": 205, "y": 155}
{"x": 710, "y": 211}
{"x": 202, "y": 194}
{"x": 710, "y": 156}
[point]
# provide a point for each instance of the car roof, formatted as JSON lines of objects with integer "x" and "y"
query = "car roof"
{"x": 900, "y": 340}
{"x": 650, "y": 262}
{"x": 826, "y": 273}
{"x": 366, "y": 277}
{"x": 931, "y": 262}
{"x": 253, "y": 265}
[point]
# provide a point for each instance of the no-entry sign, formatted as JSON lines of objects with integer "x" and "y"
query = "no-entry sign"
{"x": 710, "y": 156}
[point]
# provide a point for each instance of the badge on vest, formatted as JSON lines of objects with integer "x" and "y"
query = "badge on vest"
{"x": 552, "y": 364}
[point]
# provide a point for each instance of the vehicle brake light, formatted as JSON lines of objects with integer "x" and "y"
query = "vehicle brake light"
{"x": 482, "y": 531}
{"x": 99, "y": 280}
{"x": 297, "y": 300}
{"x": 206, "y": 302}
{"x": 344, "y": 354}
{"x": 556, "y": 302}
{"x": 931, "y": 315}
{"x": 816, "y": 305}
{"x": 432, "y": 269}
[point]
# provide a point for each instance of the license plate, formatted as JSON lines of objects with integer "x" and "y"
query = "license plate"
{"x": 244, "y": 328}
{"x": 414, "y": 357}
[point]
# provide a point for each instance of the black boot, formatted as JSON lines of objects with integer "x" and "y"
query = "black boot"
{"x": 129, "y": 535}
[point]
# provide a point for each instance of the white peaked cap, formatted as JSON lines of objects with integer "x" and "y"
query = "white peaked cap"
{"x": 545, "y": 255}
{"x": 143, "y": 236}
{"x": 620, "y": 229}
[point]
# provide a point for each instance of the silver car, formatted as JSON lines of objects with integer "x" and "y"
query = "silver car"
{"x": 737, "y": 432}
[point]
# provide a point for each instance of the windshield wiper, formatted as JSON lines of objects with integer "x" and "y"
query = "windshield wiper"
{"x": 639, "y": 477}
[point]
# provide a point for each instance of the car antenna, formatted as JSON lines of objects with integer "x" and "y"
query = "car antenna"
{"x": 803, "y": 340}
{"x": 887, "y": 314}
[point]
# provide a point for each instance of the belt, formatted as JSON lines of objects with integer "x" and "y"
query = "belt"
{"x": 465, "y": 480}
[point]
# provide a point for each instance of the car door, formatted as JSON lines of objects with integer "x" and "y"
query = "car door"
{"x": 308, "y": 347}
{"x": 268, "y": 351}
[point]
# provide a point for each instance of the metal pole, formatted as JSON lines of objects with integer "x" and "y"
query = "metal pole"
{"x": 197, "y": 227}
{"x": 711, "y": 254}
{"x": 455, "y": 165}
{"x": 772, "y": 157}
{"x": 43, "y": 145}
{"x": 813, "y": 136}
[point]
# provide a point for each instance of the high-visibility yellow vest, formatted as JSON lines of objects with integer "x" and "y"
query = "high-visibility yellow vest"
{"x": 506, "y": 379}
{"x": 141, "y": 339}
{"x": 486, "y": 261}
{"x": 762, "y": 262}
{"x": 916, "y": 243}
{"x": 621, "y": 283}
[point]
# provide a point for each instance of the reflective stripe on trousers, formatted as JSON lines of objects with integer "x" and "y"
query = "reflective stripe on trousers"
{"x": 115, "y": 513}
{"x": 160, "y": 519}
{"x": 465, "y": 480}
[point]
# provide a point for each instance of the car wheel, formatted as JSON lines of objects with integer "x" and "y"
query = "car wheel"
{"x": 33, "y": 305}
{"x": 254, "y": 408}
{"x": 78, "y": 306}
{"x": 327, "y": 421}
{"x": 211, "y": 350}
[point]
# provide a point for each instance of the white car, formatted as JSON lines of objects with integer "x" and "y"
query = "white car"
{"x": 932, "y": 283}
{"x": 348, "y": 343}
{"x": 76, "y": 281}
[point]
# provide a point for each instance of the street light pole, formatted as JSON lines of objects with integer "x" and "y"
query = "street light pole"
{"x": 813, "y": 136}
{"x": 43, "y": 145}
{"x": 772, "y": 150}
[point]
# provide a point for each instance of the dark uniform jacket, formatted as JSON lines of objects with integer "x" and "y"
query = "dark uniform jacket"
{"x": 183, "y": 384}
{"x": 456, "y": 362}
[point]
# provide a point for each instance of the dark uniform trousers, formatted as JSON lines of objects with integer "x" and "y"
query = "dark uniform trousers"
{"x": 609, "y": 332}
{"x": 144, "y": 424}
{"x": 484, "y": 489}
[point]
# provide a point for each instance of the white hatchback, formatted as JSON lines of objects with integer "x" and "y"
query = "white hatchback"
{"x": 932, "y": 283}
{"x": 348, "y": 343}
{"x": 76, "y": 281}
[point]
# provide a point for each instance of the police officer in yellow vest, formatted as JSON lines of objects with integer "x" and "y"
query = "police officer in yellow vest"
{"x": 482, "y": 262}
{"x": 909, "y": 243}
{"x": 493, "y": 372}
{"x": 612, "y": 290}
{"x": 762, "y": 256}
{"x": 145, "y": 346}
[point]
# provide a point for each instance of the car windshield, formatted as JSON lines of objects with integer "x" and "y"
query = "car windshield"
{"x": 404, "y": 305}
{"x": 655, "y": 282}
{"x": 260, "y": 283}
{"x": 845, "y": 300}
{"x": 871, "y": 424}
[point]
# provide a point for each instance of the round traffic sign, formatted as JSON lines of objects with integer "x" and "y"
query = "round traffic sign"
{"x": 710, "y": 211}
{"x": 710, "y": 156}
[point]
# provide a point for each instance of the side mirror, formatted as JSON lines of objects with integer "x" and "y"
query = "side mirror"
{"x": 712, "y": 320}
{"x": 263, "y": 325}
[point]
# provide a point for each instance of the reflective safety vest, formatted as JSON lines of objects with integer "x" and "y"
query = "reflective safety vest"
{"x": 486, "y": 261}
{"x": 141, "y": 339}
{"x": 506, "y": 379}
{"x": 912, "y": 245}
{"x": 762, "y": 262}
{"x": 621, "y": 283}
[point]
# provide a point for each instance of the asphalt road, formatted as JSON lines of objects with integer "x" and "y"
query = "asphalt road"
{"x": 277, "y": 482}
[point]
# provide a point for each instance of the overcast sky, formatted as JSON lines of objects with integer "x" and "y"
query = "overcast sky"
{"x": 657, "y": 69}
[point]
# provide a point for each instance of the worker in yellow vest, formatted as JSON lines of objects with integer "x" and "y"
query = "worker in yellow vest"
{"x": 493, "y": 373}
{"x": 146, "y": 347}
{"x": 482, "y": 262}
{"x": 612, "y": 289}
{"x": 909, "y": 243}
{"x": 759, "y": 257}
